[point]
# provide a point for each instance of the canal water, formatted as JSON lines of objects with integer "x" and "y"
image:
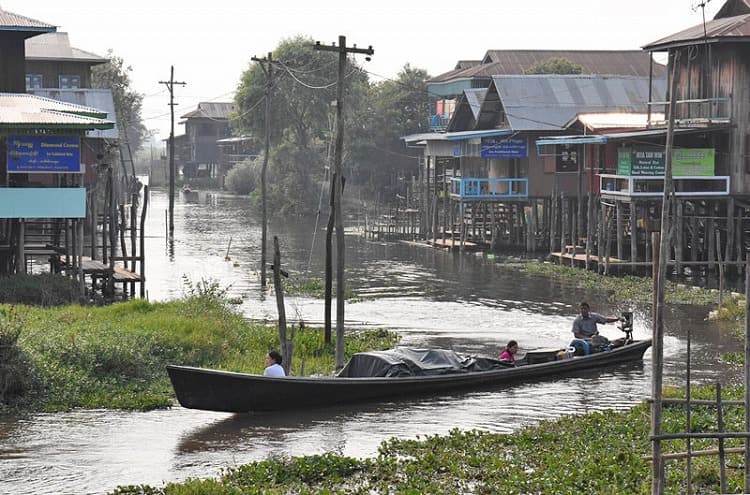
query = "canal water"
{"x": 432, "y": 298}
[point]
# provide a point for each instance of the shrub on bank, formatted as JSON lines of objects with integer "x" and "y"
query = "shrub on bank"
{"x": 115, "y": 356}
{"x": 39, "y": 289}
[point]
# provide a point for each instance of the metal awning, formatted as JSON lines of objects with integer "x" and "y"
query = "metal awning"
{"x": 455, "y": 136}
{"x": 572, "y": 140}
{"x": 617, "y": 136}
{"x": 460, "y": 136}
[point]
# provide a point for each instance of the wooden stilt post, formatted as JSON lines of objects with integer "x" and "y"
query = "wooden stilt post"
{"x": 563, "y": 225}
{"x": 620, "y": 230}
{"x": 143, "y": 241}
{"x": 600, "y": 239}
{"x": 633, "y": 233}
{"x": 679, "y": 237}
{"x": 553, "y": 222}
{"x": 589, "y": 227}
{"x": 747, "y": 374}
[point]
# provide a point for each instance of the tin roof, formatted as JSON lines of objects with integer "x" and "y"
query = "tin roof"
{"x": 550, "y": 102}
{"x": 616, "y": 120}
{"x": 735, "y": 29}
{"x": 211, "y": 110}
{"x": 14, "y": 22}
{"x": 56, "y": 46}
{"x": 732, "y": 8}
{"x": 18, "y": 110}
{"x": 605, "y": 62}
{"x": 100, "y": 99}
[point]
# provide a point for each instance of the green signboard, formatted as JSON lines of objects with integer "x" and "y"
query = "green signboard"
{"x": 693, "y": 161}
{"x": 649, "y": 161}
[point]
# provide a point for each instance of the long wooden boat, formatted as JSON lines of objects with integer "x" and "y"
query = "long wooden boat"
{"x": 215, "y": 390}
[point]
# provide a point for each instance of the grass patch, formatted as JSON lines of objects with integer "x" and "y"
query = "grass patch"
{"x": 314, "y": 287}
{"x": 627, "y": 287}
{"x": 597, "y": 453}
{"x": 115, "y": 356}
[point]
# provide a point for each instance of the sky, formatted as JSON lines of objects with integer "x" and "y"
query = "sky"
{"x": 210, "y": 44}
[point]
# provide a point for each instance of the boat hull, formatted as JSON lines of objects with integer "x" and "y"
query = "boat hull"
{"x": 216, "y": 390}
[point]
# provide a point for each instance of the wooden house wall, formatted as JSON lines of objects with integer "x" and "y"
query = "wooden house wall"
{"x": 728, "y": 77}
{"x": 12, "y": 75}
{"x": 52, "y": 70}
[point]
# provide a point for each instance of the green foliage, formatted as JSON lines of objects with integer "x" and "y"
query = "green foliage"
{"x": 115, "y": 356}
{"x": 629, "y": 287}
{"x": 291, "y": 187}
{"x": 313, "y": 287}
{"x": 302, "y": 125}
{"x": 115, "y": 75}
{"x": 379, "y": 161}
{"x": 597, "y": 453}
{"x": 16, "y": 376}
{"x": 555, "y": 65}
{"x": 39, "y": 289}
{"x": 244, "y": 177}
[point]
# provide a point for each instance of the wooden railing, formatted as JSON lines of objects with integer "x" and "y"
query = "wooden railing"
{"x": 506, "y": 187}
{"x": 647, "y": 185}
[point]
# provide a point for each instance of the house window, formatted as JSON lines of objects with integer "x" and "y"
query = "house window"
{"x": 34, "y": 81}
{"x": 70, "y": 82}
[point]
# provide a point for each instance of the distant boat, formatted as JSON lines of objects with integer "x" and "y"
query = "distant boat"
{"x": 186, "y": 188}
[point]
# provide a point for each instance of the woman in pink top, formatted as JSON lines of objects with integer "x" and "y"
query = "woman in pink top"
{"x": 509, "y": 353}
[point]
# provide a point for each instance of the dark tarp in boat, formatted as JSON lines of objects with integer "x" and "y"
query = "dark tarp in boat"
{"x": 404, "y": 361}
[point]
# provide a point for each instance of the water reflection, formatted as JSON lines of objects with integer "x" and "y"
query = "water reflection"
{"x": 432, "y": 298}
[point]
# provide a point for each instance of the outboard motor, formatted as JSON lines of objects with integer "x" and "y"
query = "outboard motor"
{"x": 626, "y": 325}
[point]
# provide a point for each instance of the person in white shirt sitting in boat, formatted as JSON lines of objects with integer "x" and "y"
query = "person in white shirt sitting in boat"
{"x": 273, "y": 365}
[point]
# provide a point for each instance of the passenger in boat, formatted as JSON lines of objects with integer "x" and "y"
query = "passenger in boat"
{"x": 509, "y": 353}
{"x": 585, "y": 324}
{"x": 273, "y": 364}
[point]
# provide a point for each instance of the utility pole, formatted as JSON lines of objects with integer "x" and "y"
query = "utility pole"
{"x": 170, "y": 86}
{"x": 343, "y": 51}
{"x": 267, "y": 65}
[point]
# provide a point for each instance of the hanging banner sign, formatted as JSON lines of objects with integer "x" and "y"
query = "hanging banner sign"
{"x": 502, "y": 147}
{"x": 44, "y": 155}
{"x": 649, "y": 161}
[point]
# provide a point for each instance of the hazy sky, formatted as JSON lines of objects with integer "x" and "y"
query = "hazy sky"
{"x": 210, "y": 42}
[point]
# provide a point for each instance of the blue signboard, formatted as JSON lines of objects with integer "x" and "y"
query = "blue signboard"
{"x": 44, "y": 154}
{"x": 457, "y": 149}
{"x": 504, "y": 147}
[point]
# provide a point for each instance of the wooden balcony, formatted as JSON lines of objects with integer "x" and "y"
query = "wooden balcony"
{"x": 612, "y": 185}
{"x": 472, "y": 189}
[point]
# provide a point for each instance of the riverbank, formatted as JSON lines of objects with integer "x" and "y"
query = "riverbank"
{"x": 597, "y": 453}
{"x": 114, "y": 357}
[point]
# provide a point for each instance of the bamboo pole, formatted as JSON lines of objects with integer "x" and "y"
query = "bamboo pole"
{"x": 277, "y": 272}
{"x": 747, "y": 374}
{"x": 722, "y": 455}
{"x": 657, "y": 485}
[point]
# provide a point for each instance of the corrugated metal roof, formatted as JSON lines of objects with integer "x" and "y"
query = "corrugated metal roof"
{"x": 56, "y": 46}
{"x": 475, "y": 97}
{"x": 465, "y": 64}
{"x": 100, "y": 99}
{"x": 616, "y": 120}
{"x": 732, "y": 8}
{"x": 612, "y": 136}
{"x": 28, "y": 111}
{"x": 14, "y": 22}
{"x": 735, "y": 29}
{"x": 605, "y": 62}
{"x": 550, "y": 102}
{"x": 211, "y": 110}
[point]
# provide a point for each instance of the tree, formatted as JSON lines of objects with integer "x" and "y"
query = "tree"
{"x": 555, "y": 65}
{"x": 396, "y": 108}
{"x": 114, "y": 75}
{"x": 304, "y": 87}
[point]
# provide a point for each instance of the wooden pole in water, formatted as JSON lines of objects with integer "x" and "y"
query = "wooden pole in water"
{"x": 657, "y": 486}
{"x": 277, "y": 273}
{"x": 747, "y": 373}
